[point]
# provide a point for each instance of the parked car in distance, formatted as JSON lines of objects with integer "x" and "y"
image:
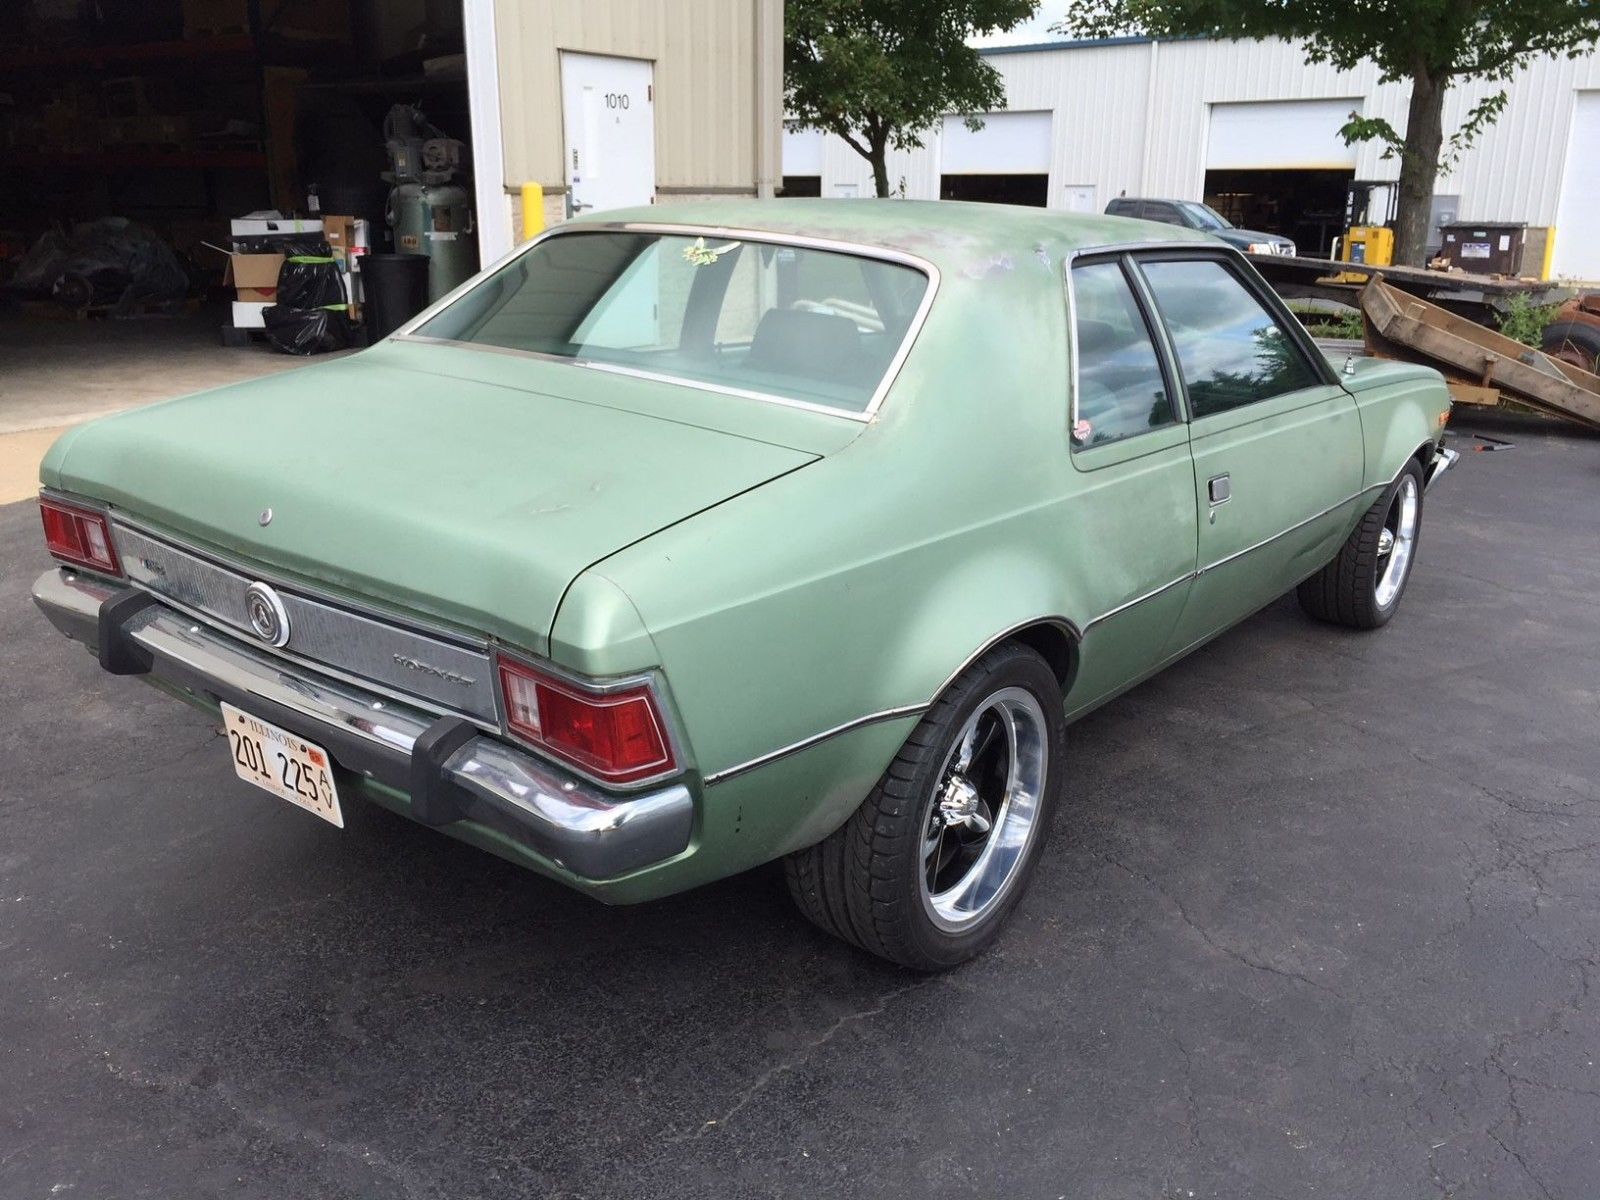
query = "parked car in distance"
{"x": 1191, "y": 214}
{"x": 700, "y": 536}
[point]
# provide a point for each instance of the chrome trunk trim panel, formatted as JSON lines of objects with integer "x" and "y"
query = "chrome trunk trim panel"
{"x": 450, "y": 674}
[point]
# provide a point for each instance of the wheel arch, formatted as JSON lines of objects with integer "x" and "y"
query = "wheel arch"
{"x": 1054, "y": 638}
{"x": 1401, "y": 425}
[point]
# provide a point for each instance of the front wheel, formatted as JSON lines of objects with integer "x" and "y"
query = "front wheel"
{"x": 927, "y": 870}
{"x": 1363, "y": 584}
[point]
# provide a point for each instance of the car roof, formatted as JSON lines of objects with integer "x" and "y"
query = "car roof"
{"x": 948, "y": 233}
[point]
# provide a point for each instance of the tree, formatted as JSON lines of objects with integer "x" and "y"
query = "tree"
{"x": 1431, "y": 43}
{"x": 880, "y": 73}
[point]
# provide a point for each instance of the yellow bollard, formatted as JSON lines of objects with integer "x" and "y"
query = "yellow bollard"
{"x": 532, "y": 210}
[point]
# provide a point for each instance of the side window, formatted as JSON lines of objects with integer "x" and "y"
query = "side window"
{"x": 1121, "y": 390}
{"x": 1167, "y": 214}
{"x": 1230, "y": 349}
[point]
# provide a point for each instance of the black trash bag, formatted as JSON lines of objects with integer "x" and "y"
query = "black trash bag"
{"x": 309, "y": 277}
{"x": 306, "y": 330}
{"x": 310, "y": 315}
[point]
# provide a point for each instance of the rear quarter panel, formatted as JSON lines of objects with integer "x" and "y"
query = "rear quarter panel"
{"x": 858, "y": 585}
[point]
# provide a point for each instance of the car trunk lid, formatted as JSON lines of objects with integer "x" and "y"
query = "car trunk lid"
{"x": 468, "y": 501}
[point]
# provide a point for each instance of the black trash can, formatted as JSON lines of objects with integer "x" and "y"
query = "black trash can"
{"x": 395, "y": 289}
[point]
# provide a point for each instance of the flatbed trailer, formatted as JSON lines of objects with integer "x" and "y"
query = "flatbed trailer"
{"x": 1479, "y": 298}
{"x": 1480, "y": 365}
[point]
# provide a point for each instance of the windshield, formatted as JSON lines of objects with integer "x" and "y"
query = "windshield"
{"x": 1204, "y": 216}
{"x": 818, "y": 327}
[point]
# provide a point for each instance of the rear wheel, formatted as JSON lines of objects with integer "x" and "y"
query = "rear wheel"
{"x": 1363, "y": 584}
{"x": 927, "y": 870}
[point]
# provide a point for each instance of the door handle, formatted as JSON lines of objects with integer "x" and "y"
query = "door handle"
{"x": 1219, "y": 489}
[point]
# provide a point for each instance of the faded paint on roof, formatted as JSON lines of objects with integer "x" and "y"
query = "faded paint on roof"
{"x": 945, "y": 232}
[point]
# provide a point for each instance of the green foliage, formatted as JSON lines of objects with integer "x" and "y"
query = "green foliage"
{"x": 1345, "y": 323}
{"x": 1484, "y": 114}
{"x": 1478, "y": 38}
{"x": 881, "y": 73}
{"x": 1524, "y": 321}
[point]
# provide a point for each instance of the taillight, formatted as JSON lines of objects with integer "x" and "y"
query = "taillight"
{"x": 615, "y": 736}
{"x": 80, "y": 536}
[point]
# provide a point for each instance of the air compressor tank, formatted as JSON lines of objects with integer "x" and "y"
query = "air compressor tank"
{"x": 428, "y": 212}
{"x": 436, "y": 219}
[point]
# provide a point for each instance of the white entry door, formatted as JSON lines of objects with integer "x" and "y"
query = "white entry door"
{"x": 1578, "y": 216}
{"x": 1079, "y": 198}
{"x": 608, "y": 115}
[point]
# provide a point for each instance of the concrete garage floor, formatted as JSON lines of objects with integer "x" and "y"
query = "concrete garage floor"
{"x": 54, "y": 374}
{"x": 1321, "y": 920}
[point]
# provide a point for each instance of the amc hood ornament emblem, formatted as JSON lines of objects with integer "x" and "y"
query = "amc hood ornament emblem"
{"x": 267, "y": 615}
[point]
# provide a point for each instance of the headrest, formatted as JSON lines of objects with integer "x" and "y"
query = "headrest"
{"x": 802, "y": 342}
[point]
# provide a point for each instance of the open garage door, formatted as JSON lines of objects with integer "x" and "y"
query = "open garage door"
{"x": 1281, "y": 166}
{"x": 802, "y": 161}
{"x": 1578, "y": 217}
{"x": 1005, "y": 162}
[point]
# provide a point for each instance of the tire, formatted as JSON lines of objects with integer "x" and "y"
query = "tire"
{"x": 1576, "y": 342}
{"x": 1362, "y": 586}
{"x": 910, "y": 876}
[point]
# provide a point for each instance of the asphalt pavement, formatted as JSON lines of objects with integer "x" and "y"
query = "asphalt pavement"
{"x": 1321, "y": 919}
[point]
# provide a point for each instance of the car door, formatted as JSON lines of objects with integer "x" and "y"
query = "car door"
{"x": 1276, "y": 442}
{"x": 1134, "y": 521}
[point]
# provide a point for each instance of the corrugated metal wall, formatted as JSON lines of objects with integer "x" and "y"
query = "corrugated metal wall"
{"x": 1134, "y": 118}
{"x": 706, "y": 101}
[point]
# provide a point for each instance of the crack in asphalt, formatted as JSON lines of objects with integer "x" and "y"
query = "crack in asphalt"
{"x": 797, "y": 1059}
{"x": 1211, "y": 940}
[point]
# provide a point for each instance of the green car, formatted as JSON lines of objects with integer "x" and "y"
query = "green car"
{"x": 694, "y": 537}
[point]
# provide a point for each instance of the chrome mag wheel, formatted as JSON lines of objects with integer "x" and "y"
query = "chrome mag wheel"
{"x": 1396, "y": 541}
{"x": 984, "y": 811}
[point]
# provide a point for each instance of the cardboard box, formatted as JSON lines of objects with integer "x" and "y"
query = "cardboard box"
{"x": 254, "y": 277}
{"x": 348, "y": 239}
{"x": 345, "y": 235}
{"x": 247, "y": 315}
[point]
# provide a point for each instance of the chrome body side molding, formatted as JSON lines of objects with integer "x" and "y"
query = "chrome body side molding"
{"x": 762, "y": 760}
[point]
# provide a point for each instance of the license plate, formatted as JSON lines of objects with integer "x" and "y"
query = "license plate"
{"x": 282, "y": 763}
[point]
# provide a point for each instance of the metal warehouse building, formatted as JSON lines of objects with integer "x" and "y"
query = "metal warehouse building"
{"x": 1249, "y": 127}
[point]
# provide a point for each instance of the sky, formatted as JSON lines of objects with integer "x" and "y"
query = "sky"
{"x": 1035, "y": 29}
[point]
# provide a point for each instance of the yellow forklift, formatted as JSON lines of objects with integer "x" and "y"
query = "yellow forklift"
{"x": 1369, "y": 235}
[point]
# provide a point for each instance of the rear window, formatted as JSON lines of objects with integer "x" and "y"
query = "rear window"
{"x": 796, "y": 323}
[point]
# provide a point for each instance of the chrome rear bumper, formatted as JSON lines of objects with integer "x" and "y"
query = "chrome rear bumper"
{"x": 450, "y": 770}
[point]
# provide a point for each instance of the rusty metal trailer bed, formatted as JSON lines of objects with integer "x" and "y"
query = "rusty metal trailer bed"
{"x": 1479, "y": 364}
